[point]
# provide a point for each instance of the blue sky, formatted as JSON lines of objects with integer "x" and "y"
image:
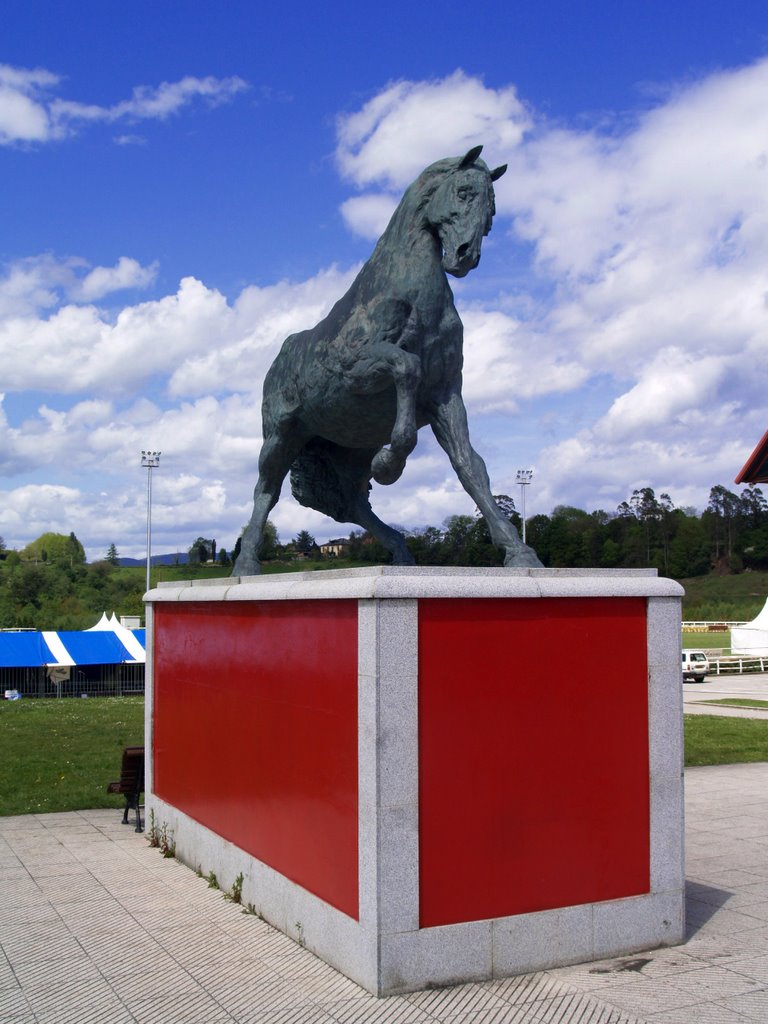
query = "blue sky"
{"x": 185, "y": 184}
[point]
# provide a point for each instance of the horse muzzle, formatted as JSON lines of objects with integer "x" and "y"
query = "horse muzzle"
{"x": 459, "y": 262}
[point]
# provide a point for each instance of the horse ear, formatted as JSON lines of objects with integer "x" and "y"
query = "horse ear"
{"x": 497, "y": 173}
{"x": 469, "y": 158}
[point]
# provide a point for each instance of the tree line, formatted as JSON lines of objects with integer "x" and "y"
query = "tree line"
{"x": 645, "y": 531}
{"x": 49, "y": 585}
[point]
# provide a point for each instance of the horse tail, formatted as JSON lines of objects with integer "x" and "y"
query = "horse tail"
{"x": 331, "y": 479}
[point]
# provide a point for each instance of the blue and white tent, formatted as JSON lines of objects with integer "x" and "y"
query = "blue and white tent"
{"x": 104, "y": 644}
{"x": 24, "y": 650}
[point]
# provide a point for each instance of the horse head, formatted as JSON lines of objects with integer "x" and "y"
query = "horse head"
{"x": 461, "y": 209}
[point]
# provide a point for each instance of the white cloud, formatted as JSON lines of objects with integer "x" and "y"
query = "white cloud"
{"x": 369, "y": 215}
{"x": 506, "y": 361}
{"x": 151, "y": 103}
{"x": 28, "y": 511}
{"x": 23, "y": 115}
{"x": 410, "y": 124}
{"x": 37, "y": 283}
{"x": 673, "y": 387}
{"x": 254, "y": 329}
{"x": 127, "y": 273}
{"x": 194, "y": 338}
{"x": 636, "y": 345}
{"x": 28, "y": 115}
{"x": 650, "y": 248}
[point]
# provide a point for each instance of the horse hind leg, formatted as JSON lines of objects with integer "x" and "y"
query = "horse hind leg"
{"x": 392, "y": 539}
{"x": 344, "y": 473}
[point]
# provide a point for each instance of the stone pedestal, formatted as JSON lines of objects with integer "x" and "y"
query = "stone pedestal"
{"x": 428, "y": 776}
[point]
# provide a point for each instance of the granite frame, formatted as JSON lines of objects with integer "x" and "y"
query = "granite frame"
{"x": 385, "y": 951}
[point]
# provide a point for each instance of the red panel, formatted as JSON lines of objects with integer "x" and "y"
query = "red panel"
{"x": 255, "y": 732}
{"x": 533, "y": 755}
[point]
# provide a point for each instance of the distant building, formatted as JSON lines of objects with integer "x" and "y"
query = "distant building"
{"x": 335, "y": 548}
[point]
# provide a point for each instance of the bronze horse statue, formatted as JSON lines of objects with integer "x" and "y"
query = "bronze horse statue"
{"x": 343, "y": 402}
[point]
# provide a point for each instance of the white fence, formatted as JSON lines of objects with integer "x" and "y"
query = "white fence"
{"x": 720, "y": 662}
{"x": 728, "y": 664}
{"x": 711, "y": 627}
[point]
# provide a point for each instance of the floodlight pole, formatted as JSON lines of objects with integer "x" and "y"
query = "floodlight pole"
{"x": 524, "y": 477}
{"x": 149, "y": 461}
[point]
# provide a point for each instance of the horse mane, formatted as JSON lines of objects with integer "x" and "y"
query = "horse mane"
{"x": 418, "y": 194}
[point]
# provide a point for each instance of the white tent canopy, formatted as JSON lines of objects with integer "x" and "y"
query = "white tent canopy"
{"x": 113, "y": 625}
{"x": 751, "y": 638}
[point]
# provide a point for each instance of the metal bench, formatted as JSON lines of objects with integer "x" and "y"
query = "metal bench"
{"x": 131, "y": 782}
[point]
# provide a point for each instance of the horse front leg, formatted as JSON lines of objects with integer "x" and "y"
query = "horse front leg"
{"x": 277, "y": 455}
{"x": 448, "y": 420}
{"x": 382, "y": 366}
{"x": 388, "y": 463}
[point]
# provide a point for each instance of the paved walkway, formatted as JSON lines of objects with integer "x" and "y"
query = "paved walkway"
{"x": 750, "y": 687}
{"x": 96, "y": 928}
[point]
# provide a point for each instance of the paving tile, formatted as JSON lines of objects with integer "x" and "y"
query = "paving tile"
{"x": 506, "y": 1014}
{"x": 13, "y": 1003}
{"x": 459, "y": 999}
{"x": 70, "y": 993}
{"x": 33, "y": 941}
{"x": 662, "y": 963}
{"x": 130, "y": 962}
{"x": 153, "y": 979}
{"x": 244, "y": 1007}
{"x": 754, "y": 967}
{"x": 232, "y": 971}
{"x": 98, "y": 1012}
{"x": 594, "y": 978}
{"x": 322, "y": 989}
{"x": 725, "y": 877}
{"x": 753, "y": 1006}
{"x": 716, "y": 983}
{"x": 178, "y": 1008}
{"x": 302, "y": 965}
{"x": 703, "y": 1013}
{"x": 571, "y": 1007}
{"x": 45, "y": 975}
{"x": 88, "y": 896}
{"x": 369, "y": 1010}
{"x": 722, "y": 922}
{"x": 645, "y": 997}
{"x": 306, "y": 1014}
{"x": 723, "y": 949}
{"x": 50, "y": 870}
{"x": 266, "y": 992}
{"x": 7, "y": 977}
{"x": 758, "y": 911}
{"x": 746, "y": 895}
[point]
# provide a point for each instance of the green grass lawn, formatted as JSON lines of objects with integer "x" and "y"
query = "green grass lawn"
{"x": 738, "y": 597}
{"x": 712, "y": 739}
{"x": 739, "y": 702}
{"x": 706, "y": 641}
{"x": 59, "y": 755}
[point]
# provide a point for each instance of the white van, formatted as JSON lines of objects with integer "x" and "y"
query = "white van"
{"x": 695, "y": 666}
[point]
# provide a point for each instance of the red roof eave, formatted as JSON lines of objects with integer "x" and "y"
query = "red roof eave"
{"x": 755, "y": 470}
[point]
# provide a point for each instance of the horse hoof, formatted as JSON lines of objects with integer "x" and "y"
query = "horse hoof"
{"x": 246, "y": 567}
{"x": 386, "y": 467}
{"x": 522, "y": 557}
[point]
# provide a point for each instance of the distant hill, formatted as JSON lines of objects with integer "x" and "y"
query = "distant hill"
{"x": 175, "y": 558}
